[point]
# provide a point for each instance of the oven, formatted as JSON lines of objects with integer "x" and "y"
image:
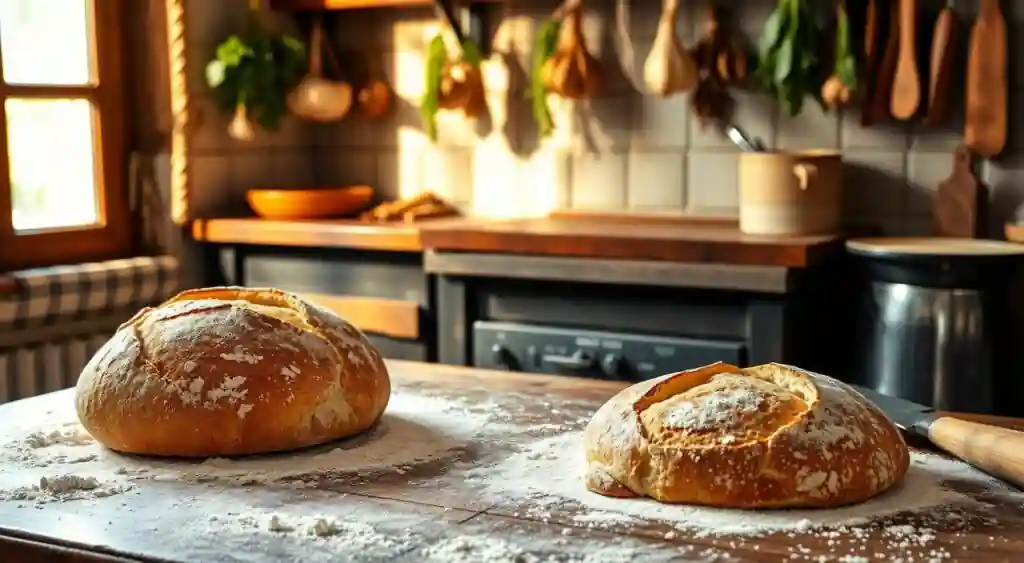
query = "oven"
{"x": 594, "y": 354}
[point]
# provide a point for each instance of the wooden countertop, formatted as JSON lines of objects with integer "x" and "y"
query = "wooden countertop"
{"x": 341, "y": 233}
{"x": 653, "y": 240}
{"x": 639, "y": 238}
{"x": 397, "y": 514}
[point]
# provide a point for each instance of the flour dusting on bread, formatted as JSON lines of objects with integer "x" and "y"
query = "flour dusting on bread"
{"x": 769, "y": 436}
{"x": 712, "y": 410}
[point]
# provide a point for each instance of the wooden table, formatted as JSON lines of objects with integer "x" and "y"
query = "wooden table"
{"x": 171, "y": 520}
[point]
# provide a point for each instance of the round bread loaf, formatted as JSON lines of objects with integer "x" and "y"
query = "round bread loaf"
{"x": 769, "y": 436}
{"x": 229, "y": 371}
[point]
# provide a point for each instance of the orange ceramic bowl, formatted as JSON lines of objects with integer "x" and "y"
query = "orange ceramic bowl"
{"x": 309, "y": 203}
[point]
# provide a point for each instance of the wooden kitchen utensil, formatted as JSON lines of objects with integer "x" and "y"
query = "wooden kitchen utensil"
{"x": 960, "y": 201}
{"x": 986, "y": 98}
{"x": 871, "y": 58}
{"x": 940, "y": 73}
{"x": 881, "y": 89}
{"x": 906, "y": 90}
{"x": 995, "y": 450}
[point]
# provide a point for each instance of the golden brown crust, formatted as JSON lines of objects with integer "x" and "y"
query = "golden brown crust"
{"x": 229, "y": 371}
{"x": 768, "y": 436}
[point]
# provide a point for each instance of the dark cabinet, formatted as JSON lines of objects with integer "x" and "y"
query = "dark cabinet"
{"x": 385, "y": 294}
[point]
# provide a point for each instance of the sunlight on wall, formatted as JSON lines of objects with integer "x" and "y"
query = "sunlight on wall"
{"x": 482, "y": 174}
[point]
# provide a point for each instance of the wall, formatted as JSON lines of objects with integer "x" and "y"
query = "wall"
{"x": 221, "y": 169}
{"x": 622, "y": 151}
{"x": 626, "y": 150}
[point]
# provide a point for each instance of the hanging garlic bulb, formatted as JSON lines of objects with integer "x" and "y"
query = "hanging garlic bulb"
{"x": 669, "y": 68}
{"x": 241, "y": 128}
{"x": 572, "y": 72}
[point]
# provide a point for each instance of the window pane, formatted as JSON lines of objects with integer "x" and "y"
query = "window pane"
{"x": 45, "y": 41}
{"x": 53, "y": 176}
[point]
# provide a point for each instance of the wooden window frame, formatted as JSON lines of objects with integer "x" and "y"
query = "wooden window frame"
{"x": 112, "y": 237}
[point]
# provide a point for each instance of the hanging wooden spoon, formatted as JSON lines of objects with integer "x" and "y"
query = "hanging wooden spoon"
{"x": 906, "y": 91}
{"x": 986, "y": 98}
{"x": 881, "y": 89}
{"x": 940, "y": 76}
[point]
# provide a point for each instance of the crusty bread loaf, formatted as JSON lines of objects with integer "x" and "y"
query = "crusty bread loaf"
{"x": 228, "y": 371}
{"x": 769, "y": 436}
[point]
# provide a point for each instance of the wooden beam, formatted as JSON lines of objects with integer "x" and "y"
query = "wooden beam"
{"x": 316, "y": 5}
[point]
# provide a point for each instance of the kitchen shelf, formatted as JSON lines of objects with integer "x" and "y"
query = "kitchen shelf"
{"x": 316, "y": 5}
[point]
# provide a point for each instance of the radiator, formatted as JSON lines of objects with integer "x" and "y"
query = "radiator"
{"x": 57, "y": 318}
{"x": 42, "y": 368}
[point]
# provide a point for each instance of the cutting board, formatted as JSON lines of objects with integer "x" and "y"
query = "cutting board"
{"x": 961, "y": 201}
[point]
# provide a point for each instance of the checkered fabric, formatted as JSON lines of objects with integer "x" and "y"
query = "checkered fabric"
{"x": 34, "y": 370}
{"x": 54, "y": 294}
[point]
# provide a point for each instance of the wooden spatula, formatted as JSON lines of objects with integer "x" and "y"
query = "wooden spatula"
{"x": 906, "y": 89}
{"x": 986, "y": 99}
{"x": 960, "y": 201}
{"x": 940, "y": 75}
{"x": 880, "y": 94}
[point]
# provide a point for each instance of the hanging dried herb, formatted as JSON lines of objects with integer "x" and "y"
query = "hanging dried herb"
{"x": 543, "y": 49}
{"x": 448, "y": 80}
{"x": 430, "y": 105}
{"x": 788, "y": 63}
{"x": 841, "y": 86}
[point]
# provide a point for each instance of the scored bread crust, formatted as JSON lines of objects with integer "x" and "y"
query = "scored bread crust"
{"x": 229, "y": 371}
{"x": 768, "y": 436}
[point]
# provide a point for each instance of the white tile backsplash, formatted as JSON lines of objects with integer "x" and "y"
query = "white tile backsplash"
{"x": 661, "y": 122}
{"x": 874, "y": 183}
{"x": 925, "y": 171}
{"x": 713, "y": 179}
{"x": 598, "y": 181}
{"x": 657, "y": 181}
{"x": 812, "y": 128}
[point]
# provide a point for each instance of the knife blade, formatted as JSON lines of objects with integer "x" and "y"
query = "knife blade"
{"x": 995, "y": 450}
{"x": 908, "y": 415}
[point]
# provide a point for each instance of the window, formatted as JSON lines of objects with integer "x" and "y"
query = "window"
{"x": 62, "y": 151}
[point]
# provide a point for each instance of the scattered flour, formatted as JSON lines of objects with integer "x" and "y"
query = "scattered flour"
{"x": 547, "y": 475}
{"x": 322, "y": 530}
{"x": 69, "y": 435}
{"x": 63, "y": 488}
{"x": 415, "y": 429}
{"x": 488, "y": 549}
{"x": 64, "y": 445}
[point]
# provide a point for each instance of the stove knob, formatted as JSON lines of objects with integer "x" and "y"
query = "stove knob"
{"x": 502, "y": 358}
{"x": 613, "y": 366}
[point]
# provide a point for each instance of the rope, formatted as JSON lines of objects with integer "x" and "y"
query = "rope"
{"x": 180, "y": 212}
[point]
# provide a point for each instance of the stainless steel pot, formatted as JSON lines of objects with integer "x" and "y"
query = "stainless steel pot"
{"x": 935, "y": 321}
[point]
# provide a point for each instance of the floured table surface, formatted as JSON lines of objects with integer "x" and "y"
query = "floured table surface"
{"x": 467, "y": 465}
